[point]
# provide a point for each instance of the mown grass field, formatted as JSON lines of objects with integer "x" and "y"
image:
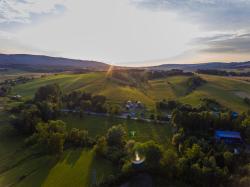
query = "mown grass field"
{"x": 224, "y": 89}
{"x": 23, "y": 167}
{"x": 97, "y": 125}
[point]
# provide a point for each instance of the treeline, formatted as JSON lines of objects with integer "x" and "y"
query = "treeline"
{"x": 194, "y": 82}
{"x": 223, "y": 73}
{"x": 82, "y": 101}
{"x": 157, "y": 74}
{"x": 130, "y": 77}
{"x": 37, "y": 119}
{"x": 192, "y": 159}
{"x": 214, "y": 163}
{"x": 49, "y": 102}
{"x": 207, "y": 104}
{"x": 6, "y": 86}
{"x": 44, "y": 106}
{"x": 51, "y": 137}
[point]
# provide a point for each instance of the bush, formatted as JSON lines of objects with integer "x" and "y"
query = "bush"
{"x": 116, "y": 136}
{"x": 78, "y": 137}
{"x": 49, "y": 136}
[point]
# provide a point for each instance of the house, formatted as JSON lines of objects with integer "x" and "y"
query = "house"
{"x": 234, "y": 115}
{"x": 228, "y": 137}
{"x": 16, "y": 97}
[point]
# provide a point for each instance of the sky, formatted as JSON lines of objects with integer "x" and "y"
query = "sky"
{"x": 128, "y": 32}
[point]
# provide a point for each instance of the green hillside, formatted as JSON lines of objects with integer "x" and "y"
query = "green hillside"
{"x": 228, "y": 91}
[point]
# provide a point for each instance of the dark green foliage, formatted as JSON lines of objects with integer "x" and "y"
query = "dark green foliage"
{"x": 202, "y": 121}
{"x": 6, "y": 86}
{"x": 195, "y": 164}
{"x": 44, "y": 107}
{"x": 153, "y": 153}
{"x": 79, "y": 138}
{"x": 211, "y": 105}
{"x": 116, "y": 136}
{"x": 49, "y": 136}
{"x": 27, "y": 119}
{"x": 247, "y": 100}
{"x": 169, "y": 163}
{"x": 78, "y": 101}
{"x": 50, "y": 93}
{"x": 194, "y": 82}
{"x": 167, "y": 105}
{"x": 245, "y": 129}
{"x": 112, "y": 146}
{"x": 48, "y": 110}
{"x": 223, "y": 73}
{"x": 101, "y": 146}
{"x": 157, "y": 74}
{"x": 4, "y": 90}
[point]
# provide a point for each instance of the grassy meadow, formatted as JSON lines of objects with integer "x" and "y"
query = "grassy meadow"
{"x": 229, "y": 91}
{"x": 97, "y": 125}
{"x": 24, "y": 167}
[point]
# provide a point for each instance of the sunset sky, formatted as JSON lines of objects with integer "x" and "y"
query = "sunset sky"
{"x": 128, "y": 32}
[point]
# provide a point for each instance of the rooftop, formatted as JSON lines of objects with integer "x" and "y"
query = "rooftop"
{"x": 227, "y": 134}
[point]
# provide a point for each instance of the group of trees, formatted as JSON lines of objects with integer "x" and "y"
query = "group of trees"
{"x": 158, "y": 74}
{"x": 82, "y": 101}
{"x": 194, "y": 82}
{"x": 112, "y": 145}
{"x": 45, "y": 106}
{"x": 36, "y": 119}
{"x": 207, "y": 104}
{"x": 205, "y": 121}
{"x": 51, "y": 137}
{"x": 247, "y": 100}
{"x": 6, "y": 86}
{"x": 199, "y": 157}
{"x": 223, "y": 72}
{"x": 129, "y": 77}
{"x": 4, "y": 90}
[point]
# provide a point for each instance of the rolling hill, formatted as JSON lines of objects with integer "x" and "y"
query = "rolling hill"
{"x": 40, "y": 63}
{"x": 46, "y": 63}
{"x": 228, "y": 91}
{"x": 211, "y": 65}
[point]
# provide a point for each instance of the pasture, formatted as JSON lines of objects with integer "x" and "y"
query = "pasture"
{"x": 97, "y": 125}
{"x": 224, "y": 89}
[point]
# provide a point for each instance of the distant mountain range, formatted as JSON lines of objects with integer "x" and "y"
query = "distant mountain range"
{"x": 211, "y": 65}
{"x": 44, "y": 63}
{"x": 54, "y": 64}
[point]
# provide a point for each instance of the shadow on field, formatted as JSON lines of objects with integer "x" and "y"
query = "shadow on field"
{"x": 73, "y": 156}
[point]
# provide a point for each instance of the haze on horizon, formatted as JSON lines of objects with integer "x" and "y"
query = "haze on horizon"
{"x": 128, "y": 32}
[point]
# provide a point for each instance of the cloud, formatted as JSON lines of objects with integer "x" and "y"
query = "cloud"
{"x": 210, "y": 14}
{"x": 127, "y": 31}
{"x": 21, "y": 11}
{"x": 227, "y": 43}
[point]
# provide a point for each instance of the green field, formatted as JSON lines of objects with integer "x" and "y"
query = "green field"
{"x": 229, "y": 91}
{"x": 97, "y": 125}
{"x": 20, "y": 166}
{"x": 23, "y": 166}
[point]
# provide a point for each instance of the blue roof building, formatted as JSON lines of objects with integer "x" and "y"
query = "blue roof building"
{"x": 228, "y": 137}
{"x": 234, "y": 115}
